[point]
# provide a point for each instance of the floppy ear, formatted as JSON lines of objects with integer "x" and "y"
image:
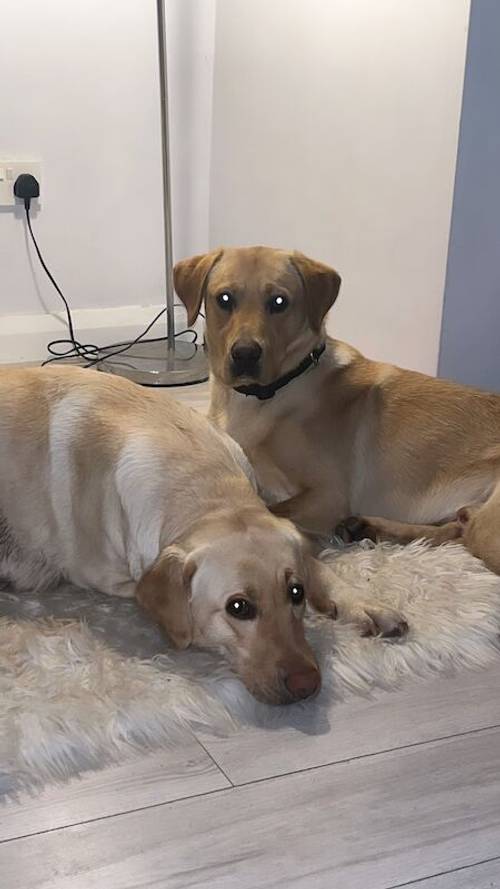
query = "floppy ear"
{"x": 164, "y": 592}
{"x": 190, "y": 277}
{"x": 321, "y": 285}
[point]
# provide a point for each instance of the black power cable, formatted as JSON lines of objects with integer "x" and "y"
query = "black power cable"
{"x": 77, "y": 347}
{"x": 26, "y": 187}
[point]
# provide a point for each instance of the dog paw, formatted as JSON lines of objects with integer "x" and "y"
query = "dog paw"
{"x": 384, "y": 622}
{"x": 372, "y": 620}
{"x": 355, "y": 528}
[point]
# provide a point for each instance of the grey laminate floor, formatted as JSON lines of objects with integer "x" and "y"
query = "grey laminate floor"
{"x": 399, "y": 791}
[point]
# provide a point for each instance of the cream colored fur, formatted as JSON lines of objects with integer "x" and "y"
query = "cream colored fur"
{"x": 114, "y": 488}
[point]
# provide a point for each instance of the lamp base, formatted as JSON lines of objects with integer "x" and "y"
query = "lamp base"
{"x": 151, "y": 364}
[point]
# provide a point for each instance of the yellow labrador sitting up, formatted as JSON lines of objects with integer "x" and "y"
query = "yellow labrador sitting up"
{"x": 337, "y": 440}
{"x": 116, "y": 488}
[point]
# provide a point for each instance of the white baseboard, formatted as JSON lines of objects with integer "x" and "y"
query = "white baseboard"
{"x": 24, "y": 338}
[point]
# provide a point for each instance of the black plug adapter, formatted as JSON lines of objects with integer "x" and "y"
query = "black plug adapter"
{"x": 26, "y": 187}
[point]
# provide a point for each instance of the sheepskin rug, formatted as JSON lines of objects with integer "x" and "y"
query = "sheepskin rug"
{"x": 86, "y": 680}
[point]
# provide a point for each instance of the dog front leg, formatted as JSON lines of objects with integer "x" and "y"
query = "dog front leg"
{"x": 329, "y": 594}
{"x": 378, "y": 529}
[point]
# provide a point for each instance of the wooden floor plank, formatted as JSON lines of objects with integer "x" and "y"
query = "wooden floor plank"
{"x": 479, "y": 876}
{"x": 420, "y": 713}
{"x": 375, "y": 822}
{"x": 157, "y": 778}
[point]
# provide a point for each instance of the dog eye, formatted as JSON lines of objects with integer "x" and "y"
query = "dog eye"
{"x": 296, "y": 593}
{"x": 225, "y": 301}
{"x": 241, "y": 608}
{"x": 277, "y": 303}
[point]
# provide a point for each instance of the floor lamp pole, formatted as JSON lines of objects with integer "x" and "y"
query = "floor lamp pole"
{"x": 165, "y": 150}
{"x": 170, "y": 362}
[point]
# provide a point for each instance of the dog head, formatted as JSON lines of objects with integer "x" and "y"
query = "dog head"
{"x": 265, "y": 308}
{"x": 241, "y": 589}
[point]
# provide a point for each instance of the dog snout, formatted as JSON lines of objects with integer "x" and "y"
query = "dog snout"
{"x": 303, "y": 683}
{"x": 245, "y": 355}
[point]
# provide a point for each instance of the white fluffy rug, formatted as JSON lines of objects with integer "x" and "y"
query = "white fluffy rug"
{"x": 87, "y": 680}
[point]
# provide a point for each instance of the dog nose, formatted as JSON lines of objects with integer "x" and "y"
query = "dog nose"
{"x": 246, "y": 353}
{"x": 303, "y": 683}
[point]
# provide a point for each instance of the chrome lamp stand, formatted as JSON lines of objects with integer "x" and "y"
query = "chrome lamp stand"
{"x": 171, "y": 361}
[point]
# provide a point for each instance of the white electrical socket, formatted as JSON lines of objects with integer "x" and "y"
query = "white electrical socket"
{"x": 9, "y": 171}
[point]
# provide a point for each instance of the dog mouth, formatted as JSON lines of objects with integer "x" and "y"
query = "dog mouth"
{"x": 242, "y": 372}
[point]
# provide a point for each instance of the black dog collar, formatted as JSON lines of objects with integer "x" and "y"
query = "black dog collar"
{"x": 265, "y": 392}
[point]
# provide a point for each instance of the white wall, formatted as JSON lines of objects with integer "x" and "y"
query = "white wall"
{"x": 80, "y": 91}
{"x": 335, "y": 132}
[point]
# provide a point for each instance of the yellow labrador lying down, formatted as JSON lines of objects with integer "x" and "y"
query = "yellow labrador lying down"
{"x": 115, "y": 488}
